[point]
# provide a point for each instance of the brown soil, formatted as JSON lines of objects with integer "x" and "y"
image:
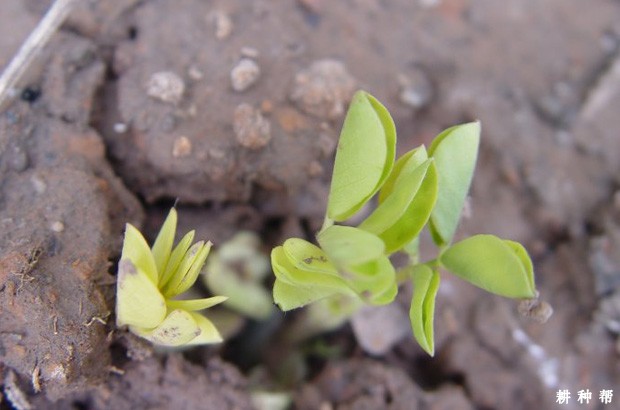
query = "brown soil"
{"x": 233, "y": 108}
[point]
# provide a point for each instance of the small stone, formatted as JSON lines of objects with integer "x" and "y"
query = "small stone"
{"x": 315, "y": 169}
{"x": 182, "y": 147}
{"x": 57, "y": 226}
{"x": 120, "y": 128}
{"x": 244, "y": 74}
{"x": 266, "y": 106}
{"x": 252, "y": 130}
{"x": 323, "y": 89}
{"x": 19, "y": 160}
{"x": 223, "y": 24}
{"x": 249, "y": 52}
{"x": 416, "y": 90}
{"x": 166, "y": 86}
{"x": 38, "y": 184}
{"x": 195, "y": 73}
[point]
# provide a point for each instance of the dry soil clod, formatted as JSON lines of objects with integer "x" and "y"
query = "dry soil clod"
{"x": 244, "y": 74}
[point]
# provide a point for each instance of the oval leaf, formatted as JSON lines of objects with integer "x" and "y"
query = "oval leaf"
{"x": 411, "y": 159}
{"x": 307, "y": 256}
{"x": 455, "y": 151}
{"x": 422, "y": 311}
{"x": 163, "y": 243}
{"x": 375, "y": 281}
{"x": 288, "y": 296}
{"x": 364, "y": 157}
{"x": 138, "y": 301}
{"x": 493, "y": 264}
{"x": 348, "y": 246}
{"x": 177, "y": 329}
{"x": 138, "y": 252}
{"x": 208, "y": 332}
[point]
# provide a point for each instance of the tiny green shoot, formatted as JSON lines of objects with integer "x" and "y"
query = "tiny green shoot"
{"x": 149, "y": 281}
{"x": 424, "y": 188}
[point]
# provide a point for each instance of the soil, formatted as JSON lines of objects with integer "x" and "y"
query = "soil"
{"x": 232, "y": 109}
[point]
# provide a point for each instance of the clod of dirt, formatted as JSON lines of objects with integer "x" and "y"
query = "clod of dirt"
{"x": 252, "y": 130}
{"x": 323, "y": 89}
{"x": 378, "y": 328}
{"x": 244, "y": 75}
{"x": 166, "y": 86}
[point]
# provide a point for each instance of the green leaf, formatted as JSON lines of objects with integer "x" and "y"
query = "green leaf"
{"x": 195, "y": 304}
{"x": 307, "y": 256}
{"x": 422, "y": 310}
{"x": 289, "y": 272}
{"x": 374, "y": 281}
{"x": 208, "y": 332}
{"x": 455, "y": 151}
{"x": 348, "y": 246}
{"x": 288, "y": 296}
{"x": 177, "y": 329}
{"x": 495, "y": 265}
{"x": 403, "y": 213}
{"x": 364, "y": 157}
{"x": 138, "y": 301}
{"x": 412, "y": 160}
{"x": 176, "y": 257}
{"x": 189, "y": 269}
{"x": 138, "y": 252}
{"x": 163, "y": 243}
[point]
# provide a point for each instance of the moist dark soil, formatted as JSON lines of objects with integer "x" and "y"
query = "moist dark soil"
{"x": 231, "y": 110}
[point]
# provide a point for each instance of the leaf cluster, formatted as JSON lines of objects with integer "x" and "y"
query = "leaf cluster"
{"x": 150, "y": 280}
{"x": 422, "y": 188}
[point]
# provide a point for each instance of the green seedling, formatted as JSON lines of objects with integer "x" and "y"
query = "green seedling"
{"x": 422, "y": 188}
{"x": 149, "y": 282}
{"x": 237, "y": 269}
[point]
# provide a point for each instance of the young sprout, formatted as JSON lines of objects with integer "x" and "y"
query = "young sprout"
{"x": 150, "y": 279}
{"x": 422, "y": 188}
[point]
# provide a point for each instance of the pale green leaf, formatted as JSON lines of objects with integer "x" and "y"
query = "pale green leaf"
{"x": 288, "y": 271}
{"x": 422, "y": 310}
{"x": 189, "y": 270}
{"x": 288, "y": 296}
{"x": 248, "y": 297}
{"x": 138, "y": 301}
{"x": 136, "y": 249}
{"x": 348, "y": 246}
{"x": 176, "y": 257}
{"x": 307, "y": 256}
{"x": 195, "y": 304}
{"x": 177, "y": 329}
{"x": 374, "y": 281}
{"x": 455, "y": 151}
{"x": 364, "y": 157}
{"x": 163, "y": 243}
{"x": 492, "y": 264}
{"x": 415, "y": 217}
{"x": 208, "y": 332}
{"x": 412, "y": 160}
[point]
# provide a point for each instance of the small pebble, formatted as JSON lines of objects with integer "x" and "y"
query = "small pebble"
{"x": 166, "y": 86}
{"x": 120, "y": 128}
{"x": 323, "y": 89}
{"x": 223, "y": 24}
{"x": 244, "y": 74}
{"x": 194, "y": 73}
{"x": 252, "y": 130}
{"x": 249, "y": 52}
{"x": 182, "y": 147}
{"x": 38, "y": 184}
{"x": 416, "y": 90}
{"x": 57, "y": 226}
{"x": 19, "y": 160}
{"x": 315, "y": 169}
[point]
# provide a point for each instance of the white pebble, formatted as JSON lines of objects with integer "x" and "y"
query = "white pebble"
{"x": 166, "y": 86}
{"x": 244, "y": 74}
